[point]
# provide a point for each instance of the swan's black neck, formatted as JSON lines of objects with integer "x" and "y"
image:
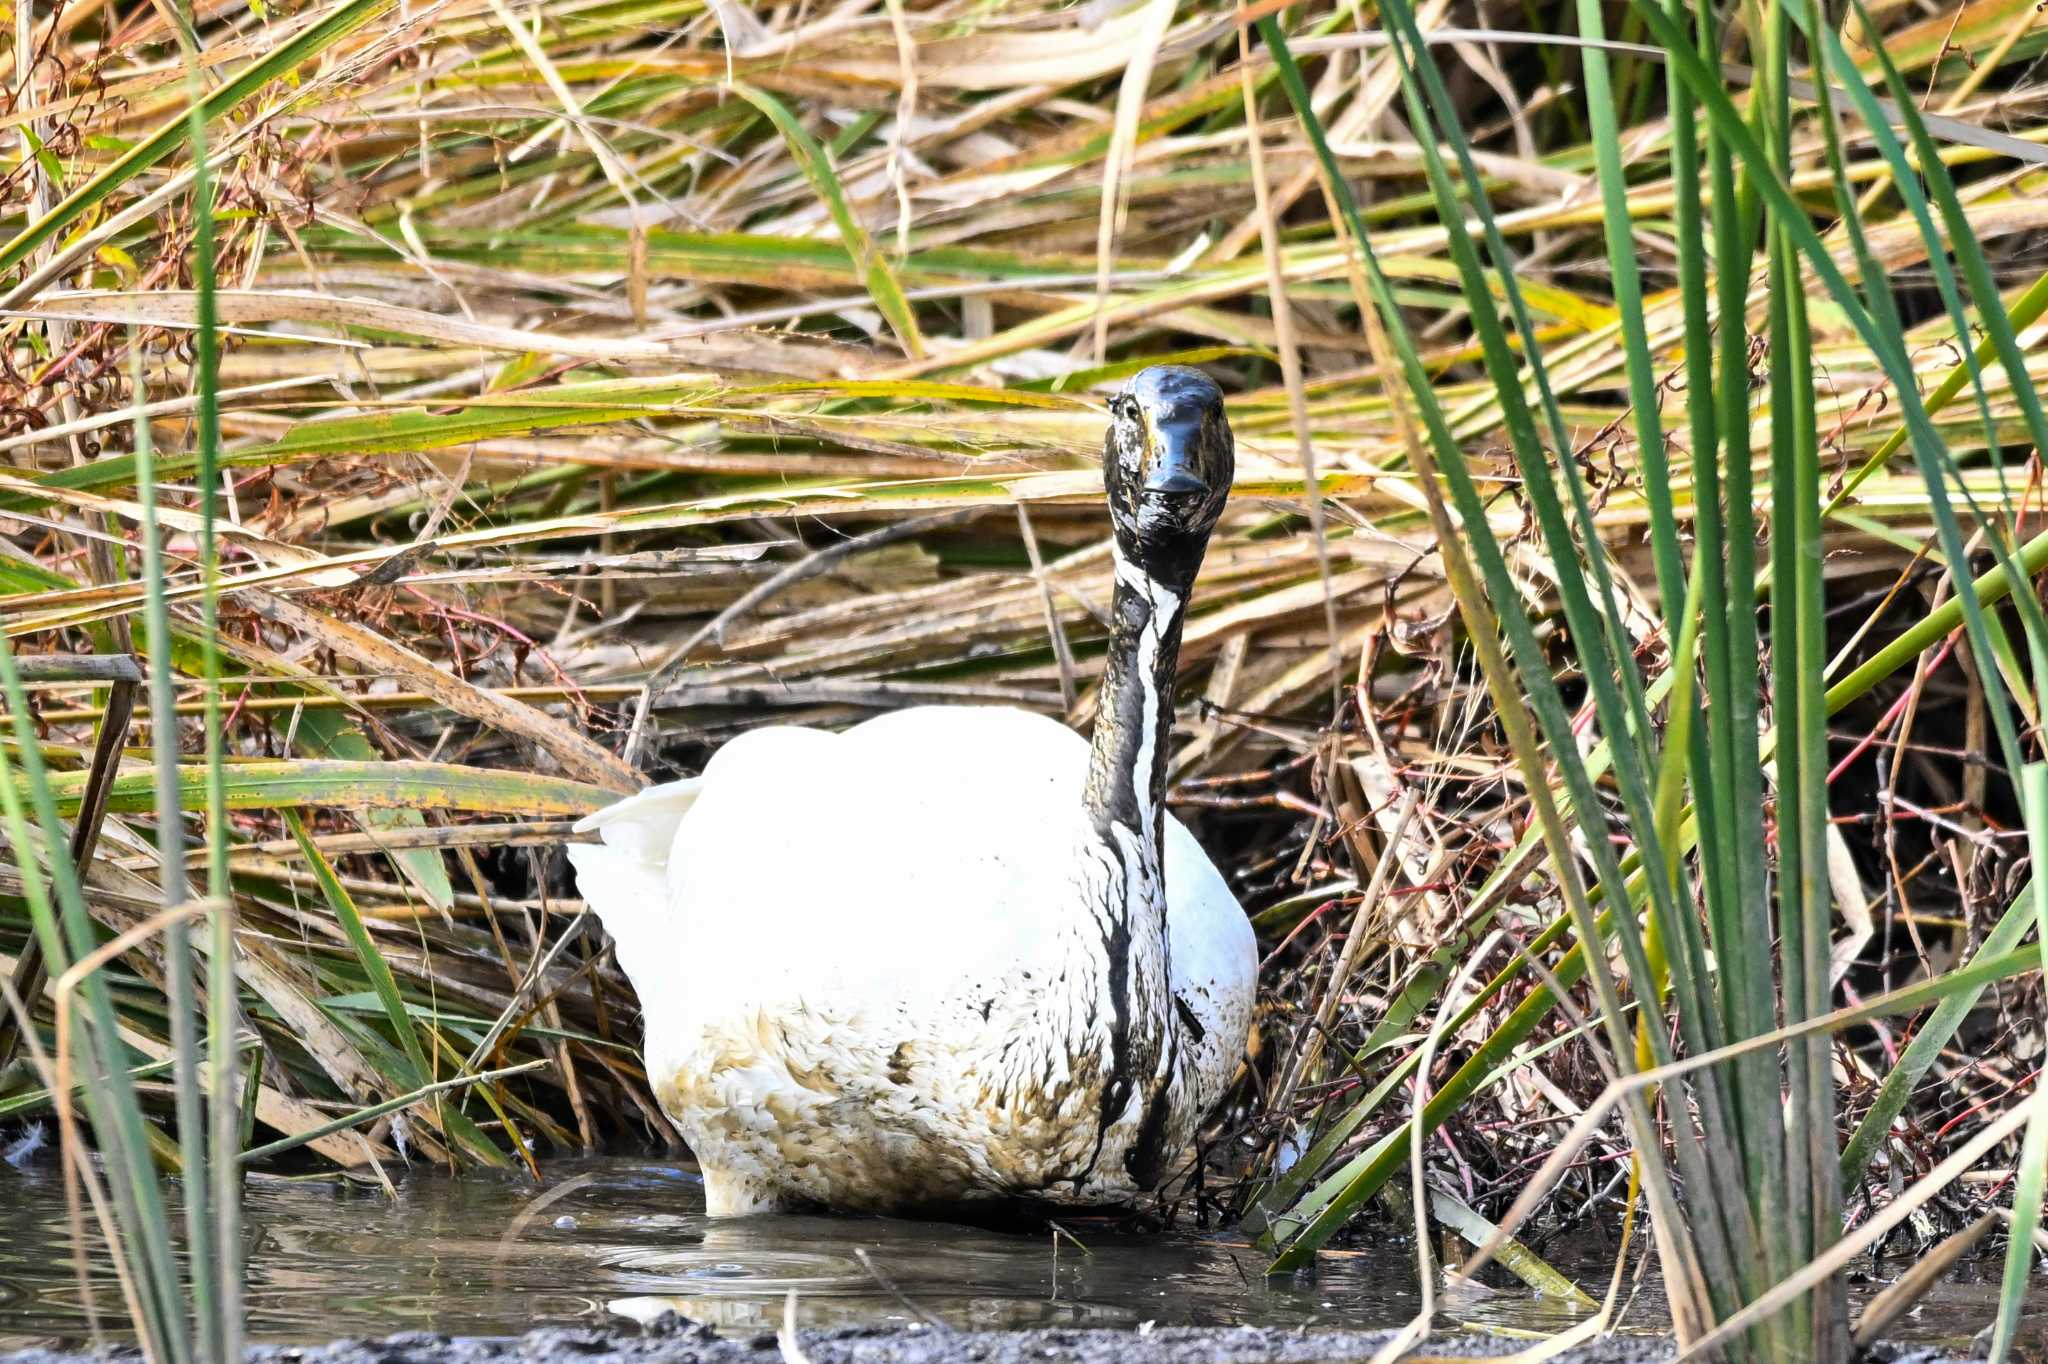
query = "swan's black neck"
{"x": 1167, "y": 463}
{"x": 1126, "y": 799}
{"x": 1134, "y": 711}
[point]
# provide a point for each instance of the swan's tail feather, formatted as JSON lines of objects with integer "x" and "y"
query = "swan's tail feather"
{"x": 624, "y": 879}
{"x": 644, "y": 825}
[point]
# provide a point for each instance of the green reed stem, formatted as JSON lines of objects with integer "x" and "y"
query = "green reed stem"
{"x": 218, "y": 1279}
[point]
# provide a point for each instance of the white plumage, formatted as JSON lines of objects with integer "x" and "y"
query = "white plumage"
{"x": 869, "y": 967}
{"x": 953, "y": 954}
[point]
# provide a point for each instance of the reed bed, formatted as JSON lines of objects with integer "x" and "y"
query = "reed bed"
{"x": 562, "y": 390}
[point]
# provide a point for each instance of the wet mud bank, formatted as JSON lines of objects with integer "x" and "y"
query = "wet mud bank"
{"x": 686, "y": 1343}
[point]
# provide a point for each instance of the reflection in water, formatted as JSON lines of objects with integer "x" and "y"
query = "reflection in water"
{"x": 482, "y": 1255}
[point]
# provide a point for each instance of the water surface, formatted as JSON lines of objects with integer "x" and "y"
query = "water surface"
{"x": 483, "y": 1255}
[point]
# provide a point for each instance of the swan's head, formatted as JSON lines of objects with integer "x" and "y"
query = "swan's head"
{"x": 1167, "y": 466}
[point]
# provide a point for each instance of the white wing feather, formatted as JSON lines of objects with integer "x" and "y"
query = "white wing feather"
{"x": 862, "y": 883}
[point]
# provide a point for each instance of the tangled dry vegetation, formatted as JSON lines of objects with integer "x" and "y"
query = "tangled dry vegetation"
{"x": 605, "y": 377}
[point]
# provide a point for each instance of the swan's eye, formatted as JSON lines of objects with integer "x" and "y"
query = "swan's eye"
{"x": 1126, "y": 433}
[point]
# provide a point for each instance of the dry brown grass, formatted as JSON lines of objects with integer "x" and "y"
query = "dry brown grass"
{"x": 549, "y": 351}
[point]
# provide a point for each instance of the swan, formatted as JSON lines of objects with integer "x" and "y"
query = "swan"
{"x": 952, "y": 955}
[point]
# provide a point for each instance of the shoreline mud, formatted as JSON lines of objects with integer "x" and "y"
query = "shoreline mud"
{"x": 682, "y": 1342}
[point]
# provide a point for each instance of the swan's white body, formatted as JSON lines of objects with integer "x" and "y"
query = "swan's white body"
{"x": 872, "y": 964}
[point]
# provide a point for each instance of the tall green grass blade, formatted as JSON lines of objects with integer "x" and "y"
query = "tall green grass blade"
{"x": 215, "y": 1261}
{"x": 179, "y": 994}
{"x": 385, "y": 986}
{"x": 359, "y": 940}
{"x": 1618, "y": 226}
{"x": 1675, "y": 769}
{"x": 1805, "y": 903}
{"x": 1789, "y": 1238}
{"x": 2033, "y": 1167}
{"x": 868, "y": 260}
{"x": 67, "y": 937}
{"x": 160, "y": 1325}
{"x": 1748, "y": 997}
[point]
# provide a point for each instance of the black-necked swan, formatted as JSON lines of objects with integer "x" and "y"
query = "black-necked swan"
{"x": 953, "y": 954}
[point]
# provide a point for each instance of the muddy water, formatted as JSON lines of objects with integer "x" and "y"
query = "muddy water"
{"x": 485, "y": 1256}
